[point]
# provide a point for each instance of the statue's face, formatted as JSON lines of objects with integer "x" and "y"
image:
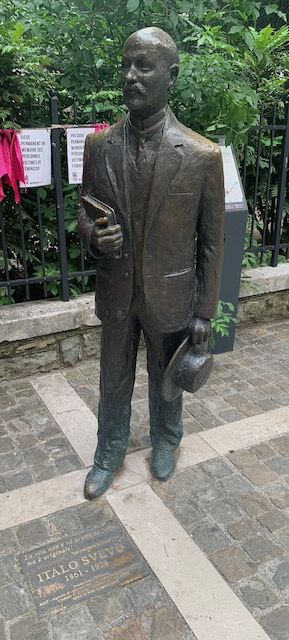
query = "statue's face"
{"x": 146, "y": 76}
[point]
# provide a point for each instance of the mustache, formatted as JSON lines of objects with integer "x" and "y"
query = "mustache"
{"x": 134, "y": 88}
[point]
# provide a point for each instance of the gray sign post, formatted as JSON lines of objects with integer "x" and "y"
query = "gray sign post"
{"x": 234, "y": 238}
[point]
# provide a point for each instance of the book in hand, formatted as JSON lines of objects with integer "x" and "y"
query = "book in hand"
{"x": 102, "y": 214}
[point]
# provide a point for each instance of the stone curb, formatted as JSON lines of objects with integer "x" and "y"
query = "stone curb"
{"x": 42, "y": 318}
{"x": 33, "y": 319}
{"x": 265, "y": 280}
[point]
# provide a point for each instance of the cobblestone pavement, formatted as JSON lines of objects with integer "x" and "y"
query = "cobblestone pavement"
{"x": 32, "y": 446}
{"x": 252, "y": 379}
{"x": 235, "y": 508}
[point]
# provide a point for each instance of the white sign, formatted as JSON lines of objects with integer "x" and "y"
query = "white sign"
{"x": 233, "y": 190}
{"x": 75, "y": 147}
{"x": 36, "y": 154}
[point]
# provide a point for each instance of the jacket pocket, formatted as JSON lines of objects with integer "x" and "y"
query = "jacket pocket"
{"x": 181, "y": 272}
{"x": 180, "y": 194}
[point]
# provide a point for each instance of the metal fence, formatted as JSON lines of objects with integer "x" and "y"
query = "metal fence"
{"x": 265, "y": 179}
{"x": 35, "y": 260}
{"x": 42, "y": 255}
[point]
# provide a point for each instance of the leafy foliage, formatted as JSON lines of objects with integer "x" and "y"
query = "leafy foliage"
{"x": 227, "y": 63}
{"x": 221, "y": 323}
{"x": 234, "y": 55}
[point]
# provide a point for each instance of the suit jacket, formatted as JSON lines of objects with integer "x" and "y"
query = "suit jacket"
{"x": 183, "y": 235}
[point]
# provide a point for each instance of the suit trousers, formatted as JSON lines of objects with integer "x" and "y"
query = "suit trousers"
{"x": 119, "y": 346}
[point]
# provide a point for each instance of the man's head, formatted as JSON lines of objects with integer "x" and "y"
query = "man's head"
{"x": 150, "y": 65}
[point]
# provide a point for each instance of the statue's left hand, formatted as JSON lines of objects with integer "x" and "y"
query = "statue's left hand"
{"x": 200, "y": 330}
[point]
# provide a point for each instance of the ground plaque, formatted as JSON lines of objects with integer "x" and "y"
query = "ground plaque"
{"x": 79, "y": 567}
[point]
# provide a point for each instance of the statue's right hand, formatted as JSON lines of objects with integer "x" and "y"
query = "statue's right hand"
{"x": 108, "y": 239}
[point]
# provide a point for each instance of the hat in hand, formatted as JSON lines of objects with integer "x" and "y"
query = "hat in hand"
{"x": 188, "y": 370}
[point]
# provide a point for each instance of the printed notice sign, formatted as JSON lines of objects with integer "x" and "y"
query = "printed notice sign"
{"x": 75, "y": 147}
{"x": 234, "y": 197}
{"x": 36, "y": 154}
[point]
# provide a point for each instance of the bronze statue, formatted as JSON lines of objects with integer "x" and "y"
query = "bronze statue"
{"x": 159, "y": 260}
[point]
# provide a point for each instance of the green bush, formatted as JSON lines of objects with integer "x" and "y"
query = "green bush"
{"x": 232, "y": 60}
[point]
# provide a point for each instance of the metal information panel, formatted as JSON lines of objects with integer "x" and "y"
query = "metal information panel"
{"x": 80, "y": 567}
{"x": 234, "y": 238}
{"x": 234, "y": 194}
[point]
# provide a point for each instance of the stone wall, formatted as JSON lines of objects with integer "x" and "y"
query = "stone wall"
{"x": 45, "y": 353}
{"x": 41, "y": 336}
{"x": 264, "y": 294}
{"x": 263, "y": 308}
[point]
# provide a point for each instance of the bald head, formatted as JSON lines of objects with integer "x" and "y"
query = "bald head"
{"x": 160, "y": 39}
{"x": 150, "y": 64}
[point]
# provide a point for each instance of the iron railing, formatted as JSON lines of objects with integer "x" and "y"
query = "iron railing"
{"x": 22, "y": 249}
{"x": 41, "y": 234}
{"x": 265, "y": 177}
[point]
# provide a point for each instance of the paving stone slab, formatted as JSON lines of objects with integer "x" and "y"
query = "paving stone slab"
{"x": 8, "y": 570}
{"x": 242, "y": 529}
{"x": 279, "y": 464}
{"x": 208, "y": 494}
{"x": 281, "y": 445}
{"x": 259, "y": 474}
{"x": 13, "y": 601}
{"x": 261, "y": 549}
{"x": 276, "y": 623}
{"x": 279, "y": 498}
{"x": 8, "y": 541}
{"x": 6, "y": 444}
{"x": 274, "y": 519}
{"x": 16, "y": 480}
{"x": 254, "y": 503}
{"x": 28, "y": 628}
{"x": 74, "y": 624}
{"x": 259, "y": 595}
{"x": 281, "y": 577}
{"x": 242, "y": 459}
{"x": 195, "y": 477}
{"x": 32, "y": 533}
{"x": 233, "y": 563}
{"x": 187, "y": 512}
{"x": 225, "y": 511}
{"x": 2, "y": 486}
{"x": 112, "y": 607}
{"x": 235, "y": 485}
{"x": 218, "y": 468}
{"x": 209, "y": 537}
{"x": 2, "y": 630}
{"x": 168, "y": 624}
{"x": 127, "y": 630}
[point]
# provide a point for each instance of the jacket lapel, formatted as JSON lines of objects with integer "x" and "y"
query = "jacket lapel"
{"x": 167, "y": 164}
{"x": 114, "y": 161}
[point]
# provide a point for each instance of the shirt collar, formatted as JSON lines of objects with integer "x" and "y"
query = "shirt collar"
{"x": 147, "y": 123}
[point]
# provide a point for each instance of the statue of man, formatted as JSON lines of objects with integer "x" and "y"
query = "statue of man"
{"x": 165, "y": 184}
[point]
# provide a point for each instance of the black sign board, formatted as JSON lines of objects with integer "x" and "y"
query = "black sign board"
{"x": 76, "y": 568}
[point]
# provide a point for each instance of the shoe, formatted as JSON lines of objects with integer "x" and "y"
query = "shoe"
{"x": 163, "y": 463}
{"x": 97, "y": 482}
